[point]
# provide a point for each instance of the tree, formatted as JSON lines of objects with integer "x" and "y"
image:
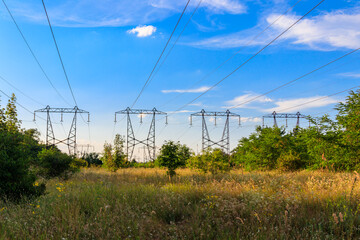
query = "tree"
{"x": 172, "y": 156}
{"x": 16, "y": 179}
{"x": 114, "y": 156}
{"x": 12, "y": 122}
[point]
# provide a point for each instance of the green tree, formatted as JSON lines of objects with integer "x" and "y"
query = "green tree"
{"x": 114, "y": 156}
{"x": 16, "y": 179}
{"x": 11, "y": 120}
{"x": 172, "y": 156}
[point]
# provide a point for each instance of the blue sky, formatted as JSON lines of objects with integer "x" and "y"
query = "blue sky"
{"x": 110, "y": 47}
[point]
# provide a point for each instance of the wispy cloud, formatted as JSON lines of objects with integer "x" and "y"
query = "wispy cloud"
{"x": 350, "y": 75}
{"x": 180, "y": 111}
{"x": 143, "y": 31}
{"x": 250, "y": 119}
{"x": 327, "y": 31}
{"x": 214, "y": 6}
{"x": 247, "y": 97}
{"x": 293, "y": 104}
{"x": 95, "y": 13}
{"x": 194, "y": 90}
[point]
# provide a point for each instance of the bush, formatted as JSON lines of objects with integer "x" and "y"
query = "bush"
{"x": 53, "y": 163}
{"x": 213, "y": 161}
{"x": 92, "y": 159}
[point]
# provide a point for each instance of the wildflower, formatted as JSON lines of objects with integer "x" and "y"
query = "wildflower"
{"x": 341, "y": 217}
{"x": 336, "y": 220}
{"x": 36, "y": 184}
{"x": 37, "y": 206}
{"x": 33, "y": 212}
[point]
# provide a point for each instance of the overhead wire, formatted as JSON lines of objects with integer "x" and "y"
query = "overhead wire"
{"x": 253, "y": 56}
{"x": 20, "y": 105}
{"x": 33, "y": 54}
{"x": 58, "y": 51}
{"x": 296, "y": 79}
{"x": 157, "y": 62}
{"x": 235, "y": 54}
{"x": 172, "y": 47}
{"x": 17, "y": 89}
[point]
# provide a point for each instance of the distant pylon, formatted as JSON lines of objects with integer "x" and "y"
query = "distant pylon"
{"x": 224, "y": 143}
{"x": 276, "y": 115}
{"x": 70, "y": 141}
{"x": 131, "y": 140}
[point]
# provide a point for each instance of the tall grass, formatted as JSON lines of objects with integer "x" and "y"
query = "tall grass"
{"x": 145, "y": 204}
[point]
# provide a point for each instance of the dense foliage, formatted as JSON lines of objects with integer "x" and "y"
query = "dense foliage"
{"x": 211, "y": 160}
{"x": 329, "y": 144}
{"x": 17, "y": 151}
{"x": 172, "y": 156}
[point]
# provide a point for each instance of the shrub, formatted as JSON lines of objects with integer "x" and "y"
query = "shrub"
{"x": 53, "y": 163}
{"x": 211, "y": 160}
{"x": 92, "y": 159}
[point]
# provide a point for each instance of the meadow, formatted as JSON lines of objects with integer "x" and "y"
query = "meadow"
{"x": 146, "y": 204}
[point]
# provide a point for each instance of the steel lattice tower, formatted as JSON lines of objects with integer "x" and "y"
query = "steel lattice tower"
{"x": 224, "y": 142}
{"x": 70, "y": 141}
{"x": 276, "y": 115}
{"x": 131, "y": 140}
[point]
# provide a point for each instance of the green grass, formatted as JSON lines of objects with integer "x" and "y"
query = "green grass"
{"x": 145, "y": 204}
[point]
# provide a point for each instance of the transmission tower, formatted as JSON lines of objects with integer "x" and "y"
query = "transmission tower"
{"x": 276, "y": 115}
{"x": 131, "y": 140}
{"x": 70, "y": 141}
{"x": 224, "y": 143}
{"x": 85, "y": 148}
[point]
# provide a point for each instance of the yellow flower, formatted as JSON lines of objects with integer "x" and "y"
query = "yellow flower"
{"x": 37, "y": 206}
{"x": 33, "y": 212}
{"x": 36, "y": 184}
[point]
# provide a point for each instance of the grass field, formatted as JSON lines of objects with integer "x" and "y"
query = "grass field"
{"x": 145, "y": 204}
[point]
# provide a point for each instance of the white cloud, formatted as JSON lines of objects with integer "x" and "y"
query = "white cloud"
{"x": 293, "y": 104}
{"x": 181, "y": 111}
{"x": 195, "y": 90}
{"x": 331, "y": 30}
{"x": 143, "y": 31}
{"x": 250, "y": 119}
{"x": 350, "y": 75}
{"x": 243, "y": 99}
{"x": 328, "y": 31}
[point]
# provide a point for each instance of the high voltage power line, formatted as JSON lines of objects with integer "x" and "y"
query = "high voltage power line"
{"x": 58, "y": 51}
{"x": 33, "y": 54}
{"x": 235, "y": 54}
{"x": 172, "y": 47}
{"x": 296, "y": 79}
{"x": 20, "y": 105}
{"x": 11, "y": 85}
{"x": 253, "y": 56}
{"x": 157, "y": 62}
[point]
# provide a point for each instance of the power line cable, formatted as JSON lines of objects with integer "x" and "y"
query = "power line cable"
{"x": 20, "y": 105}
{"x": 11, "y": 85}
{"x": 296, "y": 79}
{"x": 231, "y": 57}
{"x": 253, "y": 56}
{"x": 157, "y": 62}
{"x": 33, "y": 54}
{"x": 172, "y": 47}
{"x": 58, "y": 51}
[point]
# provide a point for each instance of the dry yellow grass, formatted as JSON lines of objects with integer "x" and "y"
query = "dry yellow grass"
{"x": 145, "y": 204}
